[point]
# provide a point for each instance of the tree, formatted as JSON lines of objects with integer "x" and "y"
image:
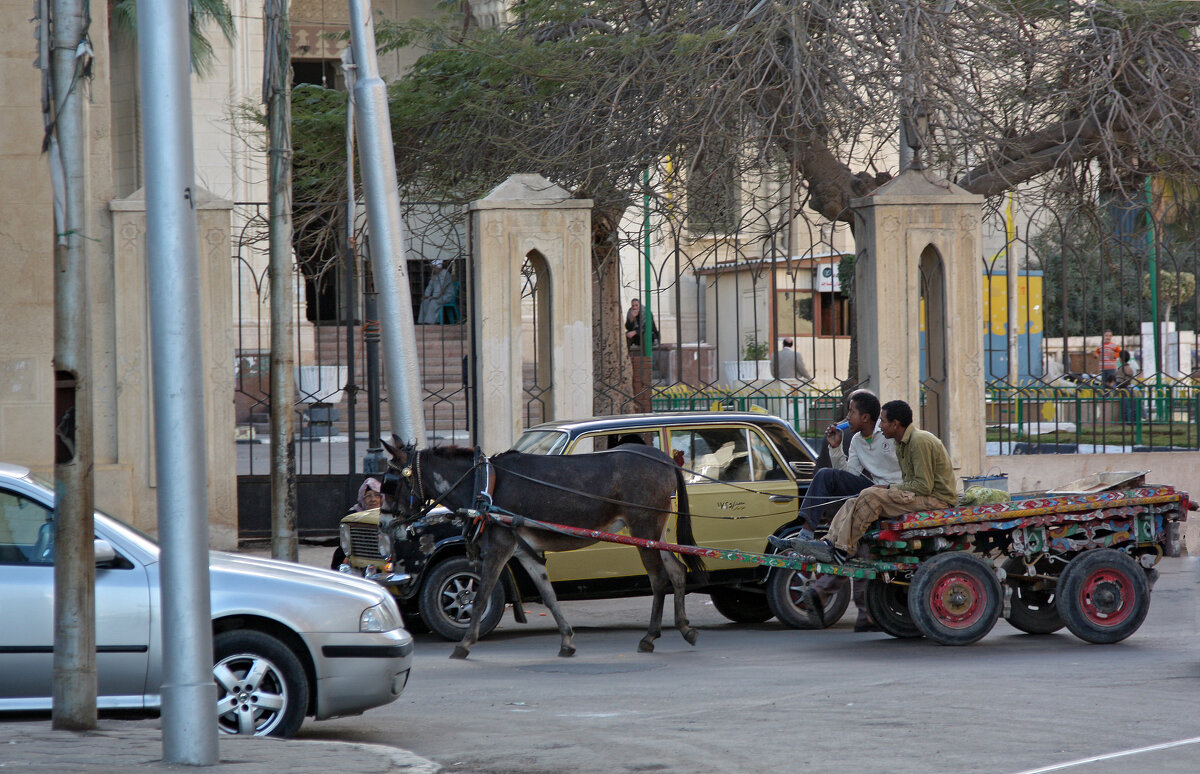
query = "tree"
{"x": 1173, "y": 289}
{"x": 1070, "y": 99}
{"x": 200, "y": 13}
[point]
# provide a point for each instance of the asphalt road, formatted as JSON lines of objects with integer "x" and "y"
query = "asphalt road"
{"x": 767, "y": 698}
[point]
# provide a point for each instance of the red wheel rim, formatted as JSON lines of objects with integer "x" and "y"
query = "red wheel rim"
{"x": 1106, "y": 597}
{"x": 957, "y": 599}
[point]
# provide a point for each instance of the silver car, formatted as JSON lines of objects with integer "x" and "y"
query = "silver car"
{"x": 302, "y": 641}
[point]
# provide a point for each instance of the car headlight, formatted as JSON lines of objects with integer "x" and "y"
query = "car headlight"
{"x": 344, "y": 540}
{"x": 385, "y": 544}
{"x": 380, "y": 618}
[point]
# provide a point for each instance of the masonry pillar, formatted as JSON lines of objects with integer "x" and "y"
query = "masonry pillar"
{"x": 528, "y": 217}
{"x": 918, "y": 244}
{"x": 134, "y": 426}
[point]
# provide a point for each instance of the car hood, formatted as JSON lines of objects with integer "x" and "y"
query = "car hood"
{"x": 238, "y": 568}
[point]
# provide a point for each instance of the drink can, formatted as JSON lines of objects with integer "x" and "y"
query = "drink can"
{"x": 843, "y": 425}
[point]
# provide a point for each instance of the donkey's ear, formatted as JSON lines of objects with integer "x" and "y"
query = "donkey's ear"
{"x": 397, "y": 451}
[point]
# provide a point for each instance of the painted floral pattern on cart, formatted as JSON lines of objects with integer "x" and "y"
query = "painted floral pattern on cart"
{"x": 1019, "y": 510}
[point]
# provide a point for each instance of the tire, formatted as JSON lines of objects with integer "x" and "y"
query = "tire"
{"x": 1031, "y": 610}
{"x": 887, "y": 604}
{"x": 339, "y": 556}
{"x": 785, "y": 589}
{"x": 447, "y": 598}
{"x": 275, "y": 703}
{"x": 954, "y": 598}
{"x": 1103, "y": 596}
{"x": 741, "y": 605}
{"x": 413, "y": 622}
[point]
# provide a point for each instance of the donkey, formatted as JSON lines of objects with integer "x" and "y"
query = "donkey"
{"x": 630, "y": 485}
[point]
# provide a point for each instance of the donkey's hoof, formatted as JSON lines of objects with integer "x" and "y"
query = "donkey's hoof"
{"x": 459, "y": 652}
{"x": 646, "y": 646}
{"x": 566, "y": 651}
{"x": 690, "y": 635}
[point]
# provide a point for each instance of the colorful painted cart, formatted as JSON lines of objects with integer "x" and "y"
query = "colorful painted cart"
{"x": 1081, "y": 559}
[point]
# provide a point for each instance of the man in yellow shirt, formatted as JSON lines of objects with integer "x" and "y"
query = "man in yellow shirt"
{"x": 928, "y": 485}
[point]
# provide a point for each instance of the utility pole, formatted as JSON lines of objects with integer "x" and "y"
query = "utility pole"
{"x": 69, "y": 56}
{"x": 189, "y": 696}
{"x": 378, "y": 162}
{"x": 277, "y": 93}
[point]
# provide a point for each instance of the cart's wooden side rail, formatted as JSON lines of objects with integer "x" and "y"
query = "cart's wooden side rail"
{"x": 1058, "y": 506}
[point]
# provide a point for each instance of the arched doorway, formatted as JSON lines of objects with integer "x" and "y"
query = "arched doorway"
{"x": 934, "y": 387}
{"x": 536, "y": 352}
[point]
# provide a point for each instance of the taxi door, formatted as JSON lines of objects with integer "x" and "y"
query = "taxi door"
{"x": 604, "y": 560}
{"x": 739, "y": 491}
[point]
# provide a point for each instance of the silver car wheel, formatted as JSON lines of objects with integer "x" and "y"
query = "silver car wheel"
{"x": 254, "y": 695}
{"x": 261, "y": 687}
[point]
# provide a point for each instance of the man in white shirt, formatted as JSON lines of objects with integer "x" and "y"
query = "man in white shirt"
{"x": 871, "y": 461}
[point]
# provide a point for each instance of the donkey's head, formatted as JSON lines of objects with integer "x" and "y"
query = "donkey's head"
{"x": 418, "y": 478}
{"x": 401, "y": 487}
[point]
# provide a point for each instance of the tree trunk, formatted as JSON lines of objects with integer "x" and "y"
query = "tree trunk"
{"x": 612, "y": 375}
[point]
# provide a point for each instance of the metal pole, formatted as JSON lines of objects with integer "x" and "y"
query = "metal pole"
{"x": 374, "y": 462}
{"x": 189, "y": 696}
{"x": 277, "y": 93}
{"x": 353, "y": 282}
{"x": 351, "y": 311}
{"x": 1012, "y": 284}
{"x": 1152, "y": 267}
{"x": 647, "y": 317}
{"x": 378, "y": 164}
{"x": 74, "y": 662}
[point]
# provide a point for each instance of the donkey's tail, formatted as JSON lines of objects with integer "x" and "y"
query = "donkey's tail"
{"x": 683, "y": 528}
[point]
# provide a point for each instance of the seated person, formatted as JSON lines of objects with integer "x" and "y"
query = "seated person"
{"x": 870, "y": 461}
{"x": 928, "y": 485}
{"x": 617, "y": 440}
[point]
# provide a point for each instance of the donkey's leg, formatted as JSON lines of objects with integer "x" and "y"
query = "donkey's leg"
{"x": 495, "y": 549}
{"x": 677, "y": 571}
{"x": 537, "y": 572}
{"x": 653, "y": 563}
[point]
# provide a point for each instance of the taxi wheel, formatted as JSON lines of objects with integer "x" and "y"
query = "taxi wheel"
{"x": 262, "y": 689}
{"x": 339, "y": 556}
{"x": 741, "y": 605}
{"x": 785, "y": 593}
{"x": 448, "y": 599}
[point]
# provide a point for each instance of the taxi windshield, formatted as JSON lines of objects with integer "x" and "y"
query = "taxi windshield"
{"x": 541, "y": 442}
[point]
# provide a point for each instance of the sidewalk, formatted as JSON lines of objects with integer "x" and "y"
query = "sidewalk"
{"x": 118, "y": 746}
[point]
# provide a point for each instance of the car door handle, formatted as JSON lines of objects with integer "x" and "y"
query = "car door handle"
{"x": 781, "y": 498}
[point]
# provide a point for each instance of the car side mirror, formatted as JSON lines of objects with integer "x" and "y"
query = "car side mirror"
{"x": 104, "y": 551}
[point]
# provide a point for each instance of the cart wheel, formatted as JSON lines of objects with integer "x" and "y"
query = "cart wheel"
{"x": 954, "y": 598}
{"x": 785, "y": 592}
{"x": 888, "y": 605}
{"x": 1032, "y": 610}
{"x": 1103, "y": 596}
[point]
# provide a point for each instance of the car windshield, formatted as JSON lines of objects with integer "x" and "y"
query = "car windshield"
{"x": 541, "y": 442}
{"x": 788, "y": 444}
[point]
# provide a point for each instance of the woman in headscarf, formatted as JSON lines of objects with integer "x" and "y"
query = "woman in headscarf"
{"x": 369, "y": 497}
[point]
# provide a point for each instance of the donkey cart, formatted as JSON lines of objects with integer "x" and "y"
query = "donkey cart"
{"x": 1084, "y": 560}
